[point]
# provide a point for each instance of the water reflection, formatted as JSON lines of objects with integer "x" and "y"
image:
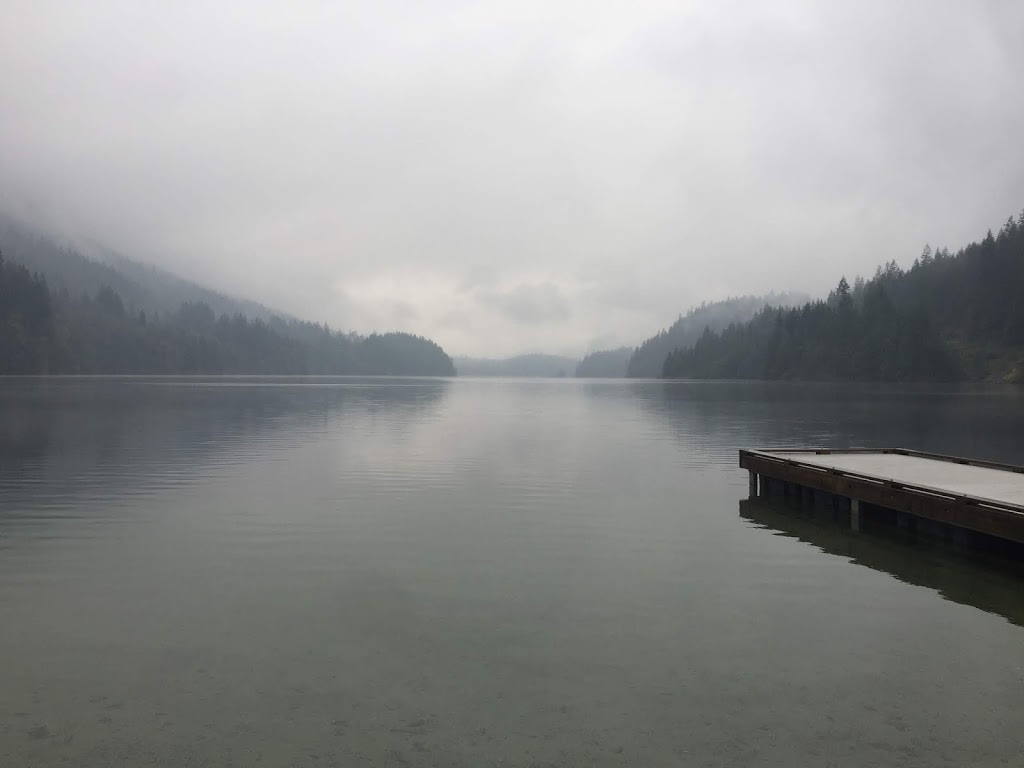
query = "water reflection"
{"x": 986, "y": 582}
{"x": 715, "y": 418}
{"x": 67, "y": 441}
{"x": 464, "y": 573}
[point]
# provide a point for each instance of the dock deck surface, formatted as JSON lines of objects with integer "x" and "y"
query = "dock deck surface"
{"x": 982, "y": 496}
{"x": 979, "y": 482}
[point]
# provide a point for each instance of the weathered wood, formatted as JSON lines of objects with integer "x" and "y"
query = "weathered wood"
{"x": 996, "y": 517}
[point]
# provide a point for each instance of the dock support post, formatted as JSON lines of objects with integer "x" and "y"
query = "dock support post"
{"x": 854, "y": 514}
{"x": 753, "y": 484}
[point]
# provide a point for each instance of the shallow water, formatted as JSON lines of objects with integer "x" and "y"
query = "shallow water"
{"x": 483, "y": 572}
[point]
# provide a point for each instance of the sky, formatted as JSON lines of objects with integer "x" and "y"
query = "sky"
{"x": 505, "y": 177}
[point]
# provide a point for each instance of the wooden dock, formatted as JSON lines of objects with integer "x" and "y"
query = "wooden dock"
{"x": 935, "y": 492}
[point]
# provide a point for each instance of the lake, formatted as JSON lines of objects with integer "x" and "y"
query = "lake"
{"x": 427, "y": 572}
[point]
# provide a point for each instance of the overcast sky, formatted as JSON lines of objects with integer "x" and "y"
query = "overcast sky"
{"x": 511, "y": 176}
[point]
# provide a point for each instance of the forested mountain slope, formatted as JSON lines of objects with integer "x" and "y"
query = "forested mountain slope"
{"x": 45, "y": 332}
{"x": 606, "y": 363}
{"x": 649, "y": 358}
{"x": 948, "y": 317}
{"x": 142, "y": 287}
{"x": 61, "y": 312}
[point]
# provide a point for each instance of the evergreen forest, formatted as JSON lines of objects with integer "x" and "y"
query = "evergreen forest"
{"x": 648, "y": 359}
{"x": 45, "y": 331}
{"x": 605, "y": 364}
{"x": 950, "y": 316}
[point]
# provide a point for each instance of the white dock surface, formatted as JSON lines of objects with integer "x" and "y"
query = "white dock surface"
{"x": 960, "y": 479}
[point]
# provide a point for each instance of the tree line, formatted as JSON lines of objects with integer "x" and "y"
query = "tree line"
{"x": 949, "y": 317}
{"x": 52, "y": 332}
{"x": 648, "y": 359}
{"x": 605, "y": 363}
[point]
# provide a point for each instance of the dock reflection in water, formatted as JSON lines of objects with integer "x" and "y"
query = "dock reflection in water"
{"x": 984, "y": 581}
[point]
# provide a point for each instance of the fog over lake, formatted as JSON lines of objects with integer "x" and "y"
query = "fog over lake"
{"x": 512, "y": 177}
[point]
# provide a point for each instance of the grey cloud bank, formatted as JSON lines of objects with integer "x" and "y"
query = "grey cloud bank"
{"x": 506, "y": 177}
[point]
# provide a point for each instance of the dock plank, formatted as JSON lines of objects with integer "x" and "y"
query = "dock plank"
{"x": 959, "y": 479}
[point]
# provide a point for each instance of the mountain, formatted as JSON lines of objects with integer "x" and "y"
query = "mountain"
{"x": 142, "y": 287}
{"x": 607, "y": 364}
{"x": 55, "y": 320}
{"x": 648, "y": 359}
{"x": 948, "y": 317}
{"x": 534, "y": 365}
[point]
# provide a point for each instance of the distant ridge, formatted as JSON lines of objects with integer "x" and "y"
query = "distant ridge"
{"x": 532, "y": 365}
{"x": 605, "y": 364}
{"x": 142, "y": 287}
{"x": 62, "y": 312}
{"x": 649, "y": 358}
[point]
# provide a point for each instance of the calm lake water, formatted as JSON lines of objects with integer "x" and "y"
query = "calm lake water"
{"x": 403, "y": 572}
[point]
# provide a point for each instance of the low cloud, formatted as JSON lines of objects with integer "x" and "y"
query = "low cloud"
{"x": 529, "y": 303}
{"x": 510, "y": 176}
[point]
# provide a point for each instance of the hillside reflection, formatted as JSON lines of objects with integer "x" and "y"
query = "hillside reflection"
{"x": 64, "y": 440}
{"x": 719, "y": 417}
